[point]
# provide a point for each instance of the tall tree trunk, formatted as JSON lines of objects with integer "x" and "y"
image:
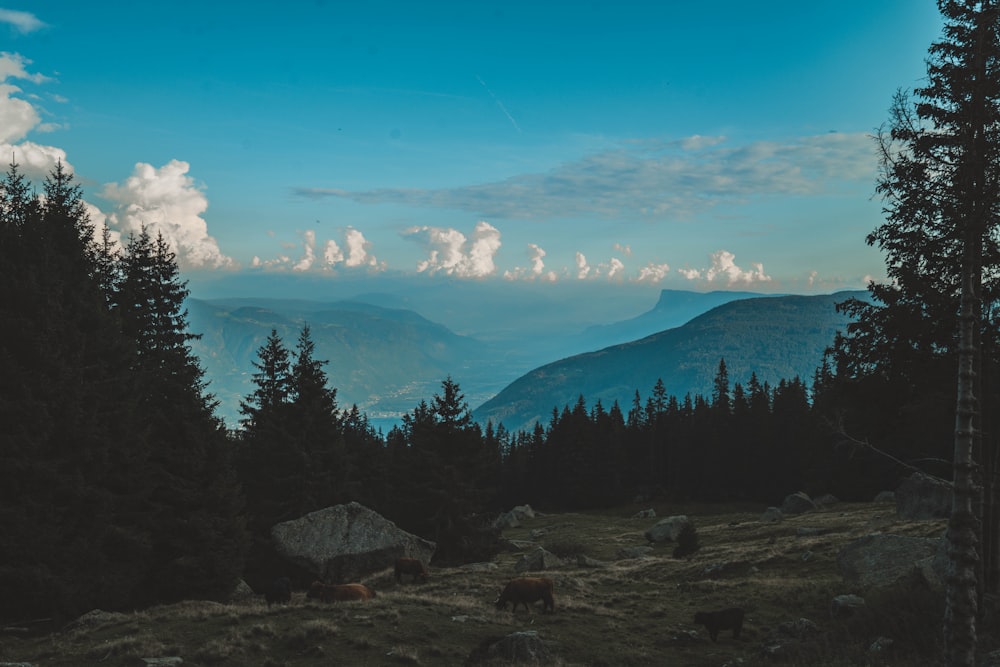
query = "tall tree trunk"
{"x": 963, "y": 526}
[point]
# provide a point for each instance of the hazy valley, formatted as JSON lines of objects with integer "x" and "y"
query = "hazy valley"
{"x": 515, "y": 359}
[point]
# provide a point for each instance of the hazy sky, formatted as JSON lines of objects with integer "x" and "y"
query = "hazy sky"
{"x": 694, "y": 145}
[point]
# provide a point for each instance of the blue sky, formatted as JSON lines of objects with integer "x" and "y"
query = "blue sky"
{"x": 721, "y": 145}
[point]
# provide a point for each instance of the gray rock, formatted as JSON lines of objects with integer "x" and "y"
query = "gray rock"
{"x": 645, "y": 514}
{"x": 634, "y": 552}
{"x": 844, "y": 606}
{"x": 772, "y": 515}
{"x": 584, "y": 560}
{"x": 880, "y": 560}
{"x": 536, "y": 560}
{"x": 522, "y": 647}
{"x": 885, "y": 497}
{"x": 921, "y": 497}
{"x": 797, "y": 503}
{"x": 667, "y": 530}
{"x": 346, "y": 542}
{"x": 826, "y": 500}
{"x": 242, "y": 592}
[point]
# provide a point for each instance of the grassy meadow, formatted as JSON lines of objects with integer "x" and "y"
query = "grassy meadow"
{"x": 625, "y": 612}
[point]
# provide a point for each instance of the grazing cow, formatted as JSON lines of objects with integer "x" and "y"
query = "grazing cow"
{"x": 725, "y": 619}
{"x": 280, "y": 591}
{"x": 339, "y": 592}
{"x": 527, "y": 589}
{"x": 411, "y": 566}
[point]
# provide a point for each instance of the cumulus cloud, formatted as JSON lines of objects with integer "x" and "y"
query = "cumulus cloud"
{"x": 325, "y": 257}
{"x": 23, "y": 22}
{"x": 167, "y": 201}
{"x": 536, "y": 268}
{"x": 724, "y": 269}
{"x": 651, "y": 179}
{"x": 19, "y": 117}
{"x": 653, "y": 273}
{"x": 451, "y": 253}
{"x": 582, "y": 268}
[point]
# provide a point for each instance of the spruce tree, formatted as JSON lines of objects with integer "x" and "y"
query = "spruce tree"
{"x": 940, "y": 185}
{"x": 198, "y": 540}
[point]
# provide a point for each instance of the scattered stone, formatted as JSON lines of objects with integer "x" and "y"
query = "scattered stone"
{"x": 826, "y": 500}
{"x": 537, "y": 533}
{"x": 583, "y": 560}
{"x": 844, "y": 606}
{"x": 798, "y": 628}
{"x": 634, "y": 552}
{"x": 242, "y": 592}
{"x": 516, "y": 648}
{"x": 645, "y": 514}
{"x": 772, "y": 515}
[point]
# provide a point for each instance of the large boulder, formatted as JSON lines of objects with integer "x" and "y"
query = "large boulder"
{"x": 921, "y": 496}
{"x": 881, "y": 560}
{"x": 344, "y": 543}
{"x": 667, "y": 530}
{"x": 797, "y": 503}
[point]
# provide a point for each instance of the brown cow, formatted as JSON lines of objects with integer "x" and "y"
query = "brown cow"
{"x": 527, "y": 589}
{"x": 411, "y": 566}
{"x": 339, "y": 592}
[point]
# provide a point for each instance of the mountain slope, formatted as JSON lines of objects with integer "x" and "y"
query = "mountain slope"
{"x": 385, "y": 360}
{"x": 775, "y": 337}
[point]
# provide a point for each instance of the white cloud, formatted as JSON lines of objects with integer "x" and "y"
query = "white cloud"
{"x": 724, "y": 269}
{"x": 358, "y": 249}
{"x": 535, "y": 270}
{"x": 582, "y": 268}
{"x": 167, "y": 201}
{"x": 332, "y": 256}
{"x": 19, "y": 117}
{"x": 23, "y": 22}
{"x": 309, "y": 252}
{"x": 653, "y": 273}
{"x": 451, "y": 253}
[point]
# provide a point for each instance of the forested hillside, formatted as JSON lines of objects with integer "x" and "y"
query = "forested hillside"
{"x": 774, "y": 338}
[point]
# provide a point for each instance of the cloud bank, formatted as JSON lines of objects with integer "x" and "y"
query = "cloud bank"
{"x": 649, "y": 179}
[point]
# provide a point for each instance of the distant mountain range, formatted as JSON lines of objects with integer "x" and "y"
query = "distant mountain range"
{"x": 386, "y": 357}
{"x": 775, "y": 337}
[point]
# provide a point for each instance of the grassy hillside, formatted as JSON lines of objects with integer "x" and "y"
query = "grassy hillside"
{"x": 775, "y": 337}
{"x": 625, "y": 613}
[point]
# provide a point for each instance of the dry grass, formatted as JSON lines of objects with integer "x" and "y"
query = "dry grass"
{"x": 626, "y": 612}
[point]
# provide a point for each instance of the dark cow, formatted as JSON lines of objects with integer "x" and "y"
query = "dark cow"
{"x": 413, "y": 567}
{"x": 725, "y": 619}
{"x": 525, "y": 590}
{"x": 339, "y": 592}
{"x": 279, "y": 592}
